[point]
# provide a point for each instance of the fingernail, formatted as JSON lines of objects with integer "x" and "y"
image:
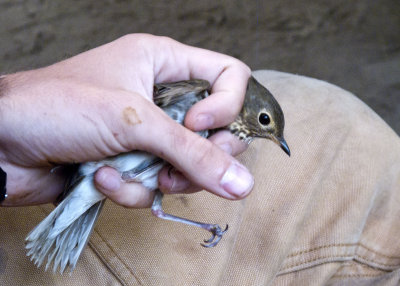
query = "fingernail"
{"x": 226, "y": 147}
{"x": 203, "y": 121}
{"x": 109, "y": 182}
{"x": 237, "y": 180}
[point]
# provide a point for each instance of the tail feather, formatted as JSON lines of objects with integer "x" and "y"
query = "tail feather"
{"x": 79, "y": 200}
{"x": 63, "y": 234}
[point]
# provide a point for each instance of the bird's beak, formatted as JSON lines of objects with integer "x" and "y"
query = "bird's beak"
{"x": 284, "y": 146}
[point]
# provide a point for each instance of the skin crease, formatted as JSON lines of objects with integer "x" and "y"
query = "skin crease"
{"x": 99, "y": 103}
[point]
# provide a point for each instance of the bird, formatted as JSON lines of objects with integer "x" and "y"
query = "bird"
{"x": 64, "y": 233}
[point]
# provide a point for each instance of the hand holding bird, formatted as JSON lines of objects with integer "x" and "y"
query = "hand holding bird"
{"x": 96, "y": 105}
{"x": 62, "y": 236}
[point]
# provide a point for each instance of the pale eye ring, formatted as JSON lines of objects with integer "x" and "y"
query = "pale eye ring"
{"x": 264, "y": 119}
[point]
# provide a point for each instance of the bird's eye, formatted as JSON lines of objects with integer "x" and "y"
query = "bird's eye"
{"x": 264, "y": 119}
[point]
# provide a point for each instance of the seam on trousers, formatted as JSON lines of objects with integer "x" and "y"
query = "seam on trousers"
{"x": 104, "y": 260}
{"x": 352, "y": 274}
{"x": 297, "y": 253}
{"x": 342, "y": 245}
{"x": 377, "y": 252}
{"x": 114, "y": 271}
{"x": 331, "y": 257}
{"x": 340, "y": 258}
{"x": 359, "y": 275}
{"x": 344, "y": 255}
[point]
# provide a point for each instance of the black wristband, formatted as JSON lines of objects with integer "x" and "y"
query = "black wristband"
{"x": 3, "y": 182}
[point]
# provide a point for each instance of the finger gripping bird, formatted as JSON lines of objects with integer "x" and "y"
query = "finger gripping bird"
{"x": 63, "y": 234}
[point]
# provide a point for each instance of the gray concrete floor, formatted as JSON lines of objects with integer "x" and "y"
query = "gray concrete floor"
{"x": 354, "y": 44}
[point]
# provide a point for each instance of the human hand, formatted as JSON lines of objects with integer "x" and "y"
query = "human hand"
{"x": 98, "y": 104}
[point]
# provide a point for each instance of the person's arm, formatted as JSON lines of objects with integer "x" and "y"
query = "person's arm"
{"x": 99, "y": 104}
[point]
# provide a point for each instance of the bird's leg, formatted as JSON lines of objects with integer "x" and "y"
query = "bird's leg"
{"x": 215, "y": 229}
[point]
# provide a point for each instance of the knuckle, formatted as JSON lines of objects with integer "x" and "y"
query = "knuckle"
{"x": 145, "y": 41}
{"x": 239, "y": 66}
{"x": 165, "y": 40}
{"x": 246, "y": 69}
{"x": 192, "y": 147}
{"x": 180, "y": 140}
{"x": 203, "y": 155}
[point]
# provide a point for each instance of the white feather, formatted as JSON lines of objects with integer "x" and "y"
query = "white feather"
{"x": 63, "y": 234}
{"x": 63, "y": 231}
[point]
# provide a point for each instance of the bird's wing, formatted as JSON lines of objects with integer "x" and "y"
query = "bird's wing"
{"x": 146, "y": 173}
{"x": 166, "y": 94}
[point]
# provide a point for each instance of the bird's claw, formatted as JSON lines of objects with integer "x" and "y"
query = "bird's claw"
{"x": 217, "y": 234}
{"x": 215, "y": 229}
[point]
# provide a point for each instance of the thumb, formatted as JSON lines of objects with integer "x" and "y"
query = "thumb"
{"x": 209, "y": 167}
{"x": 134, "y": 195}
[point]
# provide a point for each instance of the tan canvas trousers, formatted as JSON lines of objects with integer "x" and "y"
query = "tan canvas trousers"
{"x": 328, "y": 215}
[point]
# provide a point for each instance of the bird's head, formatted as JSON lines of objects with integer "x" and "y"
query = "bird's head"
{"x": 260, "y": 117}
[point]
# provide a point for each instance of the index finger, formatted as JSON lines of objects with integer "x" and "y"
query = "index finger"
{"x": 227, "y": 75}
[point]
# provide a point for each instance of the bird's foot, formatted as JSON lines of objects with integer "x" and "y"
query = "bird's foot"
{"x": 217, "y": 234}
{"x": 215, "y": 229}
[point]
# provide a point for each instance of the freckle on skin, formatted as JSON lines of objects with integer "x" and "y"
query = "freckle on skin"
{"x": 130, "y": 116}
